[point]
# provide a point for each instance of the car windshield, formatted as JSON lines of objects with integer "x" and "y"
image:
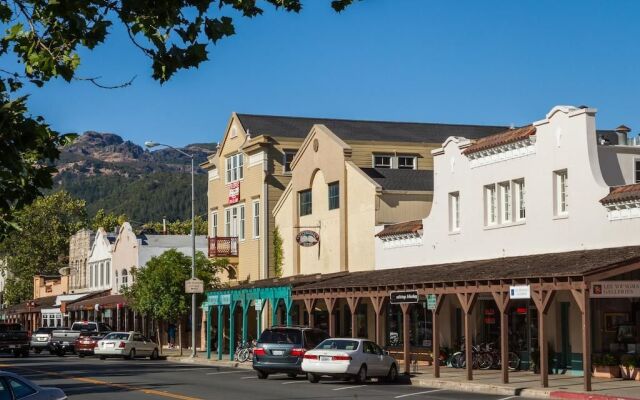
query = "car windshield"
{"x": 117, "y": 336}
{"x": 83, "y": 326}
{"x": 337, "y": 344}
{"x": 281, "y": 336}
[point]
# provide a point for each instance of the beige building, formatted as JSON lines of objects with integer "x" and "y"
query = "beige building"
{"x": 50, "y": 285}
{"x": 252, "y": 168}
{"x": 79, "y": 250}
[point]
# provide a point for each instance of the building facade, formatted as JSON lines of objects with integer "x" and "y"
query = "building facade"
{"x": 80, "y": 245}
{"x": 98, "y": 270}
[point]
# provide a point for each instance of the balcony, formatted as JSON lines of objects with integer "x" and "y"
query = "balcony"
{"x": 223, "y": 246}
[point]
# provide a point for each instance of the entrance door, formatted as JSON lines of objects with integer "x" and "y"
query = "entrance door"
{"x": 565, "y": 345}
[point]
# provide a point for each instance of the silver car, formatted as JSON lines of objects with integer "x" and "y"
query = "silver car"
{"x": 14, "y": 386}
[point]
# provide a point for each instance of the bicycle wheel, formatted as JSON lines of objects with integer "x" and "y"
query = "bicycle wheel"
{"x": 514, "y": 361}
{"x": 485, "y": 361}
{"x": 243, "y": 355}
{"x": 455, "y": 359}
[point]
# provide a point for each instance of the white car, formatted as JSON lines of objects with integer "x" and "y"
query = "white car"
{"x": 349, "y": 358}
{"x": 126, "y": 344}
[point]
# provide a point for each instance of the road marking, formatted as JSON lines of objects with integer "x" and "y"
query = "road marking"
{"x": 290, "y": 382}
{"x": 349, "y": 387}
{"x": 105, "y": 383}
{"x": 417, "y": 393}
{"x": 228, "y": 372}
{"x": 249, "y": 377}
{"x": 507, "y": 398}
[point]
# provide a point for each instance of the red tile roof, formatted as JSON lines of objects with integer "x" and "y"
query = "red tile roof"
{"x": 622, "y": 193}
{"x": 510, "y": 136}
{"x": 110, "y": 301}
{"x": 401, "y": 228}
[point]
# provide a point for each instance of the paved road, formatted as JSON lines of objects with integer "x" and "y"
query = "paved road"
{"x": 93, "y": 379}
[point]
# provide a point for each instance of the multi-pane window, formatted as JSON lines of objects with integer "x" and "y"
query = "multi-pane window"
{"x": 520, "y": 199}
{"x": 491, "y": 206}
{"x": 234, "y": 167}
{"x": 117, "y": 279}
{"x": 214, "y": 224}
{"x": 406, "y": 162}
{"x": 381, "y": 161}
{"x": 108, "y": 273}
{"x": 562, "y": 195}
{"x": 637, "y": 170}
{"x": 334, "y": 195}
{"x": 506, "y": 206}
{"x": 125, "y": 278}
{"x": 234, "y": 222}
{"x": 288, "y": 158}
{"x": 305, "y": 202}
{"x": 241, "y": 230}
{"x": 454, "y": 211}
{"x": 102, "y": 274}
{"x": 90, "y": 275}
{"x": 256, "y": 219}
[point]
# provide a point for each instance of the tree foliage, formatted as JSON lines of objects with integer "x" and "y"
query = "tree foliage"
{"x": 42, "y": 245}
{"x": 278, "y": 257}
{"x": 108, "y": 221}
{"x": 178, "y": 227}
{"x": 158, "y": 288}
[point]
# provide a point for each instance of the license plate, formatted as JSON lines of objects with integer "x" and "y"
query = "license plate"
{"x": 12, "y": 346}
{"x": 110, "y": 345}
{"x": 277, "y": 352}
{"x": 325, "y": 358}
{"x": 42, "y": 339}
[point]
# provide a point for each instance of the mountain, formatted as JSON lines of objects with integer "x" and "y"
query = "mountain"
{"x": 123, "y": 177}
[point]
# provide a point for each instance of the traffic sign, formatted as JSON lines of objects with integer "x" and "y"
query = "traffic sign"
{"x": 193, "y": 285}
{"x": 257, "y": 304}
{"x": 431, "y": 301}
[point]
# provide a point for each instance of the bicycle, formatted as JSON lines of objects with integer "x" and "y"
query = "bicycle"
{"x": 245, "y": 351}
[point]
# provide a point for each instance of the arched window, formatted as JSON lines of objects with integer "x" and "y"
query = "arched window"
{"x": 108, "y": 278}
{"x": 125, "y": 278}
{"x": 90, "y": 275}
{"x": 101, "y": 274}
{"x": 117, "y": 279}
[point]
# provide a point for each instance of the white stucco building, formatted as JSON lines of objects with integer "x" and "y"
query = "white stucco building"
{"x": 98, "y": 272}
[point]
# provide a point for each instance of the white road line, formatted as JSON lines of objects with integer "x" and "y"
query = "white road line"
{"x": 249, "y": 377}
{"x": 349, "y": 387}
{"x": 417, "y": 393}
{"x": 228, "y": 372}
{"x": 507, "y": 398}
{"x": 290, "y": 382}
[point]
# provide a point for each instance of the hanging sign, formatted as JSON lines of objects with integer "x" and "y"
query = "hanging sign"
{"x": 107, "y": 313}
{"x": 212, "y": 299}
{"x": 193, "y": 285}
{"x": 225, "y": 299}
{"x": 431, "y": 301}
{"x": 257, "y": 304}
{"x": 615, "y": 289}
{"x": 234, "y": 192}
{"x": 406, "y": 296}
{"x": 307, "y": 238}
{"x": 520, "y": 292}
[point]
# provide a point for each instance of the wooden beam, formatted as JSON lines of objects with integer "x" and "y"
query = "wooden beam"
{"x": 586, "y": 339}
{"x": 378, "y": 308}
{"x": 435, "y": 329}
{"x": 405, "y": 338}
{"x": 331, "y": 303}
{"x": 310, "y": 305}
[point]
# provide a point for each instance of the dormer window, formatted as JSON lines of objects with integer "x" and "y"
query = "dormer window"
{"x": 234, "y": 167}
{"x": 407, "y": 162}
{"x": 381, "y": 161}
{"x": 288, "y": 159}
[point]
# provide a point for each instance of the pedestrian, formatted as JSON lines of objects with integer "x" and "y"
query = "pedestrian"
{"x": 171, "y": 332}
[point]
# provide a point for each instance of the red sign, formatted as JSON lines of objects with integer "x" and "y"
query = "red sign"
{"x": 521, "y": 310}
{"x": 234, "y": 192}
{"x": 489, "y": 320}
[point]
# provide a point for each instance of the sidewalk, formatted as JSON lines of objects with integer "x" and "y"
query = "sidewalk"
{"x": 521, "y": 383}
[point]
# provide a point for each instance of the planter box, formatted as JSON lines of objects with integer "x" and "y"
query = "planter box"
{"x": 602, "y": 371}
{"x": 630, "y": 373}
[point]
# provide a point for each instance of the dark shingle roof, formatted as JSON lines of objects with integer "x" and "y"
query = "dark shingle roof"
{"x": 299, "y": 127}
{"x": 622, "y": 193}
{"x": 401, "y": 179}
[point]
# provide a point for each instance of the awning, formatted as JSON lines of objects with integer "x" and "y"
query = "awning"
{"x": 110, "y": 301}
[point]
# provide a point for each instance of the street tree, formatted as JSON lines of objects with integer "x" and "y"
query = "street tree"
{"x": 178, "y": 227}
{"x": 43, "y": 40}
{"x": 158, "y": 288}
{"x": 41, "y": 246}
{"x": 108, "y": 221}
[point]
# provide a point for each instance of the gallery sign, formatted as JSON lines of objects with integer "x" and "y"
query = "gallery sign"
{"x": 520, "y": 292}
{"x": 405, "y": 296}
{"x": 307, "y": 238}
{"x": 234, "y": 192}
{"x": 615, "y": 289}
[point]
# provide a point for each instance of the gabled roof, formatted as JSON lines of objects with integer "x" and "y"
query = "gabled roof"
{"x": 510, "y": 136}
{"x": 401, "y": 228}
{"x": 299, "y": 127}
{"x": 622, "y": 193}
{"x": 401, "y": 179}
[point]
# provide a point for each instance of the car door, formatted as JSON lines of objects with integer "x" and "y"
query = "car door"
{"x": 141, "y": 347}
{"x": 148, "y": 344}
{"x": 20, "y": 389}
{"x": 5, "y": 391}
{"x": 385, "y": 360}
{"x": 372, "y": 359}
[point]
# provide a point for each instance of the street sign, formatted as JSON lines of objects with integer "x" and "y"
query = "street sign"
{"x": 257, "y": 304}
{"x": 193, "y": 285}
{"x": 431, "y": 301}
{"x": 406, "y": 296}
{"x": 520, "y": 292}
{"x": 225, "y": 299}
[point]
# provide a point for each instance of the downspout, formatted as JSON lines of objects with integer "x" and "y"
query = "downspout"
{"x": 265, "y": 217}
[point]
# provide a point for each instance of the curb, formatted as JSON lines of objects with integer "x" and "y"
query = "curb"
{"x": 204, "y": 361}
{"x": 586, "y": 396}
{"x": 482, "y": 388}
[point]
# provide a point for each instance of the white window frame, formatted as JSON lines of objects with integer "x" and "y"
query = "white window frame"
{"x": 520, "y": 196}
{"x": 255, "y": 206}
{"x": 376, "y": 165}
{"x": 491, "y": 205}
{"x": 214, "y": 223}
{"x": 506, "y": 202}
{"x": 107, "y": 266}
{"x": 454, "y": 211}
{"x": 561, "y": 183}
{"x": 237, "y": 214}
{"x": 234, "y": 168}
{"x": 414, "y": 162}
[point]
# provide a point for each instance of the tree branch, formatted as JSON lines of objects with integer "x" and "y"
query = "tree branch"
{"x": 94, "y": 81}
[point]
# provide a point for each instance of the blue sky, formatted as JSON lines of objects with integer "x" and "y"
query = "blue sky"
{"x": 480, "y": 62}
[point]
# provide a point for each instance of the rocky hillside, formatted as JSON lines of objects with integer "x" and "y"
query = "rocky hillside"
{"x": 123, "y": 177}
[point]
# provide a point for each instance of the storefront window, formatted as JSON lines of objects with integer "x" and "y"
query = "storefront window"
{"x": 420, "y": 326}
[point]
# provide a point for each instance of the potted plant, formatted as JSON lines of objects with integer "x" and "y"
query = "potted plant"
{"x": 605, "y": 366}
{"x": 630, "y": 367}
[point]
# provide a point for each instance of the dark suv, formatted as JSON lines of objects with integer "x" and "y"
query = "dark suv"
{"x": 281, "y": 349}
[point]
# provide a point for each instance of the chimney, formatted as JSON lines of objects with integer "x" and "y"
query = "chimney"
{"x": 622, "y": 131}
{"x": 164, "y": 226}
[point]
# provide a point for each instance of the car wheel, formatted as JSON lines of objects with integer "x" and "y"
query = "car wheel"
{"x": 262, "y": 374}
{"x": 103, "y": 357}
{"x": 313, "y": 378}
{"x": 37, "y": 351}
{"x": 392, "y": 376}
{"x": 362, "y": 374}
{"x": 154, "y": 354}
{"x": 292, "y": 375}
{"x": 25, "y": 353}
{"x": 132, "y": 355}
{"x": 80, "y": 355}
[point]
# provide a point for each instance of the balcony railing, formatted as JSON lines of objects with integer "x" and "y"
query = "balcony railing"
{"x": 223, "y": 246}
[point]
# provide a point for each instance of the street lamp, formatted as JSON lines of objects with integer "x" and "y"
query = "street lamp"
{"x": 150, "y": 145}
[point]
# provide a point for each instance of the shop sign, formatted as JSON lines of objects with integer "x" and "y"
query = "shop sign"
{"x": 107, "y": 313}
{"x": 307, "y": 238}
{"x": 225, "y": 299}
{"x": 520, "y": 292}
{"x": 193, "y": 285}
{"x": 431, "y": 301}
{"x": 234, "y": 192}
{"x": 212, "y": 299}
{"x": 615, "y": 289}
{"x": 407, "y": 296}
{"x": 257, "y": 304}
{"x": 489, "y": 320}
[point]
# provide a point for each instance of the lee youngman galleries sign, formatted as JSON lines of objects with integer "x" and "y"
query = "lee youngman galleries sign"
{"x": 234, "y": 192}
{"x": 407, "y": 296}
{"x": 615, "y": 289}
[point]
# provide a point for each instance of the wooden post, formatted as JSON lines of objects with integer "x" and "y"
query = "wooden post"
{"x": 435, "y": 341}
{"x": 220, "y": 331}
{"x": 502, "y": 302}
{"x": 467, "y": 301}
{"x": 542, "y": 300}
{"x": 309, "y": 305}
{"x": 581, "y": 297}
{"x": 378, "y": 303}
{"x": 232, "y": 329}
{"x": 245, "y": 322}
{"x": 208, "y": 335}
{"x": 331, "y": 303}
{"x": 353, "y": 307}
{"x": 405, "y": 338}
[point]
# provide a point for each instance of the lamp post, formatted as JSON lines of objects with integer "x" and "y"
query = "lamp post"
{"x": 151, "y": 145}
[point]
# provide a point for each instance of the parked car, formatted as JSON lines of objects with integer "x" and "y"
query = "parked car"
{"x": 41, "y": 339}
{"x": 281, "y": 348}
{"x": 14, "y": 340}
{"x": 62, "y": 340}
{"x": 128, "y": 345}
{"x": 349, "y": 358}
{"x": 13, "y": 386}
{"x": 86, "y": 343}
